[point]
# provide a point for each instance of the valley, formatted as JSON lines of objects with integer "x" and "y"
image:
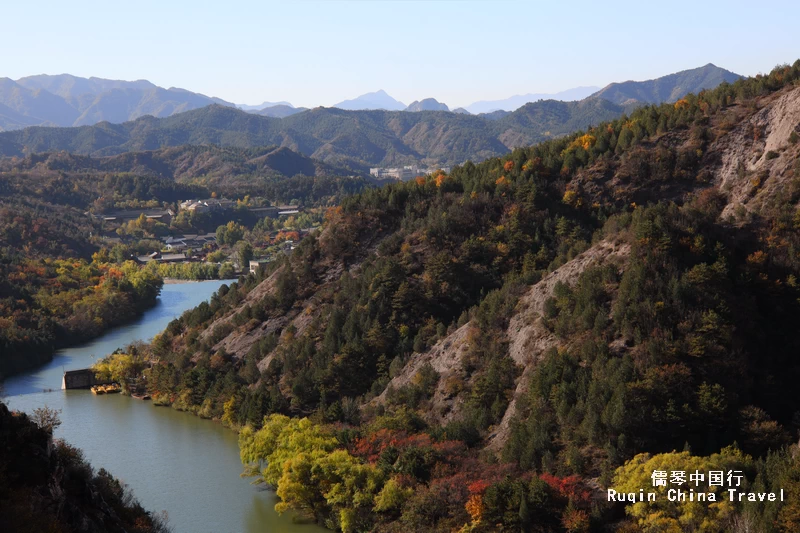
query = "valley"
{"x": 517, "y": 333}
{"x": 571, "y": 296}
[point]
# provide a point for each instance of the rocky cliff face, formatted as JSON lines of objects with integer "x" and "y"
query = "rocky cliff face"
{"x": 757, "y": 156}
{"x": 528, "y": 340}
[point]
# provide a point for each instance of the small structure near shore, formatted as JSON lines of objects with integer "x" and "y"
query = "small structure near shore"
{"x": 80, "y": 379}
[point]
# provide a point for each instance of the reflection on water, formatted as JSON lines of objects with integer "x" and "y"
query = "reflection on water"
{"x": 173, "y": 461}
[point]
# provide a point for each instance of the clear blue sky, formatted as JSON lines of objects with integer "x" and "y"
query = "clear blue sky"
{"x": 320, "y": 52}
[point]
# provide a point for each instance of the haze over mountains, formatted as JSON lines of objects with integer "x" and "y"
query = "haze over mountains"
{"x": 357, "y": 140}
{"x": 66, "y": 100}
{"x": 351, "y": 139}
{"x": 515, "y": 102}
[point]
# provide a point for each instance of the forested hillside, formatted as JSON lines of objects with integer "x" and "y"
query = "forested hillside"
{"x": 54, "y": 288}
{"x": 353, "y": 139}
{"x": 65, "y": 276}
{"x": 668, "y": 88}
{"x": 178, "y": 173}
{"x": 487, "y": 350}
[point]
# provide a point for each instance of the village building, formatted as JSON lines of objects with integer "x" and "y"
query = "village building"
{"x": 257, "y": 265}
{"x": 204, "y": 206}
{"x": 122, "y": 216}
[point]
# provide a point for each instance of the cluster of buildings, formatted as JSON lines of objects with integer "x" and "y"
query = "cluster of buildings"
{"x": 275, "y": 211}
{"x": 183, "y": 242}
{"x": 183, "y": 248}
{"x": 208, "y": 205}
{"x": 223, "y": 204}
{"x": 123, "y": 216}
{"x": 180, "y": 248}
{"x": 158, "y": 257}
{"x": 406, "y": 173}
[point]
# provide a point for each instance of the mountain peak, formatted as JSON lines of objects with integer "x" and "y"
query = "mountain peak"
{"x": 379, "y": 99}
{"x": 669, "y": 88}
{"x": 428, "y": 104}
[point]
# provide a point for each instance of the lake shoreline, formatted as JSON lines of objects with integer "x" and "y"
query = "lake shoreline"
{"x": 31, "y": 364}
{"x": 176, "y": 281}
{"x": 111, "y": 430}
{"x": 52, "y": 357}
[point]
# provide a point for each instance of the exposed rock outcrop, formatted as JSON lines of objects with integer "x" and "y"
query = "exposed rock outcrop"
{"x": 757, "y": 155}
{"x": 445, "y": 357}
{"x": 529, "y": 339}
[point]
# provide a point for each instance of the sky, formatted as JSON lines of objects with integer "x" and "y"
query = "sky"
{"x": 314, "y": 53}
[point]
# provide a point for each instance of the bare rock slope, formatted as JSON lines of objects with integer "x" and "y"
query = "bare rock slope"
{"x": 757, "y": 154}
{"x": 528, "y": 341}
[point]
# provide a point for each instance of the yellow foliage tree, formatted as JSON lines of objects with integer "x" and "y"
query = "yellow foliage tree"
{"x": 475, "y": 508}
{"x": 570, "y": 197}
{"x": 585, "y": 141}
{"x": 309, "y": 472}
{"x": 663, "y": 515}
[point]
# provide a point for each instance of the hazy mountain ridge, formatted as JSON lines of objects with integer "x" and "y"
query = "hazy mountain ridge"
{"x": 354, "y": 139}
{"x": 279, "y": 111}
{"x": 263, "y": 105}
{"x": 66, "y": 100}
{"x": 69, "y": 87}
{"x": 513, "y": 103}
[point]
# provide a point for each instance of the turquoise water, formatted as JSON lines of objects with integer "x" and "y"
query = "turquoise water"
{"x": 173, "y": 461}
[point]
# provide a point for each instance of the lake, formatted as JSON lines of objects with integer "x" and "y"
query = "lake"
{"x": 173, "y": 461}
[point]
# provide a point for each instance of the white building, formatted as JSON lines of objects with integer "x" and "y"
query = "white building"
{"x": 408, "y": 172}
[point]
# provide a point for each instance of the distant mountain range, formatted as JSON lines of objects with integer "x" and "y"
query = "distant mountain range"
{"x": 262, "y": 105}
{"x": 354, "y": 140}
{"x": 515, "y": 102}
{"x": 66, "y": 100}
